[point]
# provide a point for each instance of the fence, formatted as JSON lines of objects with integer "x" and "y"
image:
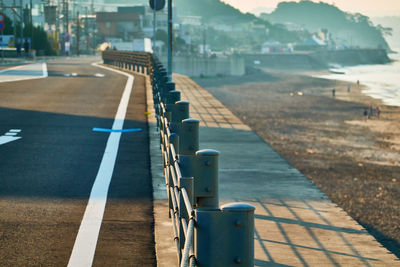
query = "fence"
{"x": 204, "y": 233}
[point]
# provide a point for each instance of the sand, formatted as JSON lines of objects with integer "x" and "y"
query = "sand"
{"x": 356, "y": 162}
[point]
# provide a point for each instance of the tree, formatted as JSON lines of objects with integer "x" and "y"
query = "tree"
{"x": 9, "y": 30}
{"x": 40, "y": 41}
{"x": 162, "y": 35}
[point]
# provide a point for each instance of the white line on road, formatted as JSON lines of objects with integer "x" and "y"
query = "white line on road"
{"x": 86, "y": 240}
{"x": 44, "y": 68}
{"x": 24, "y": 72}
{"x": 10, "y": 136}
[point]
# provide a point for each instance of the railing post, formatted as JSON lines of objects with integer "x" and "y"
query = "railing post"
{"x": 188, "y": 131}
{"x": 225, "y": 237}
{"x": 165, "y": 89}
{"x": 180, "y": 112}
{"x": 206, "y": 179}
{"x": 188, "y": 138}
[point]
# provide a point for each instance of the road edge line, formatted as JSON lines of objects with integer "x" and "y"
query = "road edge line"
{"x": 86, "y": 240}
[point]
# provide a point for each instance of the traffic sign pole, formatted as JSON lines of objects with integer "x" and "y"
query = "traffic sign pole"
{"x": 2, "y": 27}
{"x": 2, "y": 48}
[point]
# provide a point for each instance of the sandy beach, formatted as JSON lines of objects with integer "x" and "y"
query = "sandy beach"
{"x": 356, "y": 162}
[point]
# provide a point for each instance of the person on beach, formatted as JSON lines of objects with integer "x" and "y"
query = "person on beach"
{"x": 348, "y": 88}
{"x": 371, "y": 112}
{"x": 378, "y": 112}
{"x": 333, "y": 92}
{"x": 365, "y": 114}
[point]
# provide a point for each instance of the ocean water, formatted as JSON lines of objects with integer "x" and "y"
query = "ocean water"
{"x": 381, "y": 81}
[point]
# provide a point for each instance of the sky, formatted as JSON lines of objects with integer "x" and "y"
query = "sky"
{"x": 370, "y": 8}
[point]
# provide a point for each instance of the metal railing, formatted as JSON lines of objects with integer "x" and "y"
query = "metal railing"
{"x": 133, "y": 61}
{"x": 204, "y": 233}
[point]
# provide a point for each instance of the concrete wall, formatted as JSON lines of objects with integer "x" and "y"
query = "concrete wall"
{"x": 195, "y": 66}
{"x": 284, "y": 61}
{"x": 317, "y": 59}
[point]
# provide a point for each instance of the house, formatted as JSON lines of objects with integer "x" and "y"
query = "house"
{"x": 311, "y": 44}
{"x": 275, "y": 47}
{"x": 124, "y": 25}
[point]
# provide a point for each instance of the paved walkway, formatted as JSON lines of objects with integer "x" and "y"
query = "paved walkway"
{"x": 295, "y": 223}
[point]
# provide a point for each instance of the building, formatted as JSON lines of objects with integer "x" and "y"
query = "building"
{"x": 124, "y": 25}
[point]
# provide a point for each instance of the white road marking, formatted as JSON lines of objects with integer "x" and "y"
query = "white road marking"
{"x": 24, "y": 72}
{"x": 44, "y": 67}
{"x": 86, "y": 240}
{"x": 10, "y": 136}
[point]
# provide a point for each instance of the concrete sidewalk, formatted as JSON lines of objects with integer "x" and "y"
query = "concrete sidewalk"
{"x": 295, "y": 223}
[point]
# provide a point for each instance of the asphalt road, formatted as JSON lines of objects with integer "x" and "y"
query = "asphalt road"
{"x": 47, "y": 175}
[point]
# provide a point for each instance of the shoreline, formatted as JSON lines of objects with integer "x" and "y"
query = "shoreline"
{"x": 355, "y": 162}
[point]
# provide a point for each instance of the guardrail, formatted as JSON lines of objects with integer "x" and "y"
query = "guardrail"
{"x": 133, "y": 61}
{"x": 204, "y": 233}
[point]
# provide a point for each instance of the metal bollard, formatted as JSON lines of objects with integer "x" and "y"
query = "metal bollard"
{"x": 180, "y": 112}
{"x": 165, "y": 89}
{"x": 188, "y": 137}
{"x": 173, "y": 97}
{"x": 188, "y": 131}
{"x": 206, "y": 179}
{"x": 225, "y": 237}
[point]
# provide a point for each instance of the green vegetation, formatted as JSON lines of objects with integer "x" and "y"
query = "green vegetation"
{"x": 215, "y": 11}
{"x": 345, "y": 28}
{"x": 40, "y": 41}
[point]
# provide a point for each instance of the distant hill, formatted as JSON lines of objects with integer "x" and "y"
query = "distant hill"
{"x": 211, "y": 9}
{"x": 349, "y": 29}
{"x": 394, "y": 23}
{"x": 220, "y": 12}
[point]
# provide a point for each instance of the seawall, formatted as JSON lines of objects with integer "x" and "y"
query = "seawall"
{"x": 317, "y": 59}
{"x": 198, "y": 66}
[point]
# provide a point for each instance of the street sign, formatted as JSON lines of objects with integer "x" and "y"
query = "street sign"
{"x": 2, "y": 26}
{"x": 1, "y": 17}
{"x": 159, "y": 4}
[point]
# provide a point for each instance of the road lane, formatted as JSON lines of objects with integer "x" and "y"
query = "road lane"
{"x": 46, "y": 176}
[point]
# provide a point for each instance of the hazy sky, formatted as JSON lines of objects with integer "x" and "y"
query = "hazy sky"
{"x": 371, "y": 8}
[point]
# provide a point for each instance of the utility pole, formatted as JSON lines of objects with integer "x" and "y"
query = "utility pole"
{"x": 58, "y": 27}
{"x": 154, "y": 26}
{"x": 15, "y": 25}
{"x": 77, "y": 33}
{"x": 31, "y": 21}
{"x": 86, "y": 30}
{"x": 93, "y": 29}
{"x": 204, "y": 41}
{"x": 65, "y": 24}
{"x": 170, "y": 33}
{"x": 21, "y": 20}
